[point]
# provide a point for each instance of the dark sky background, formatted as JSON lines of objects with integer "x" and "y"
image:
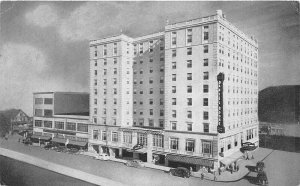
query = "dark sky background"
{"x": 44, "y": 45}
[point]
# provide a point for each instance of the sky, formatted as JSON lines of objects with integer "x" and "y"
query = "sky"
{"x": 44, "y": 46}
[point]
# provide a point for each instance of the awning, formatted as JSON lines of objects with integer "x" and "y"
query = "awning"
{"x": 59, "y": 140}
{"x": 233, "y": 157}
{"x": 190, "y": 160}
{"x": 77, "y": 143}
{"x": 138, "y": 151}
{"x": 160, "y": 152}
{"x": 41, "y": 137}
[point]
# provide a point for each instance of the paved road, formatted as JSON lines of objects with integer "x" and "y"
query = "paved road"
{"x": 132, "y": 176}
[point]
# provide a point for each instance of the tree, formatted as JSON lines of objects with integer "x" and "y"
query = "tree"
{"x": 4, "y": 126}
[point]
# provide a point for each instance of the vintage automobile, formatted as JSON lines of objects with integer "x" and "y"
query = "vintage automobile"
{"x": 180, "y": 172}
{"x": 49, "y": 146}
{"x": 102, "y": 157}
{"x": 135, "y": 163}
{"x": 138, "y": 146}
{"x": 248, "y": 146}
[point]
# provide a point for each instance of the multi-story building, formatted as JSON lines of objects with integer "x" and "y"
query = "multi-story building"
{"x": 62, "y": 117}
{"x": 189, "y": 93}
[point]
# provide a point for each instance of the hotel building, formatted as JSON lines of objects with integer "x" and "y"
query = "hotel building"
{"x": 188, "y": 94}
{"x": 61, "y": 117}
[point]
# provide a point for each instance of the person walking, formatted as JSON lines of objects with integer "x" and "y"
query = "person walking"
{"x": 202, "y": 176}
{"x": 219, "y": 170}
{"x": 237, "y": 168}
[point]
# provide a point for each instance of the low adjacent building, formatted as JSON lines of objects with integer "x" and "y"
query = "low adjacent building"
{"x": 62, "y": 117}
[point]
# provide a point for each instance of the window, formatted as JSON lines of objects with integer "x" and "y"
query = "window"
{"x": 115, "y": 49}
{"x": 71, "y": 126}
{"x": 158, "y": 140}
{"x": 189, "y": 76}
{"x": 105, "y": 81}
{"x": 205, "y": 35}
{"x": 95, "y": 120}
{"x": 48, "y": 112}
{"x": 150, "y": 70}
{"x": 151, "y": 112}
{"x": 150, "y": 80}
{"x": 189, "y": 63}
{"x": 151, "y": 91}
{"x": 174, "y": 116}
{"x": 151, "y": 122}
{"x": 174, "y": 65}
{"x": 205, "y": 62}
{"x": 190, "y": 145}
{"x": 205, "y": 101}
{"x": 114, "y": 136}
{"x": 206, "y": 147}
{"x": 189, "y": 89}
{"x": 115, "y": 91}
{"x": 59, "y": 125}
{"x": 161, "y": 90}
{"x": 141, "y": 48}
{"x": 38, "y": 101}
{"x": 151, "y": 46}
{"x": 115, "y": 61}
{"x": 189, "y": 101}
{"x": 115, "y": 101}
{"x": 161, "y": 101}
{"x": 174, "y": 143}
{"x": 173, "y": 101}
{"x": 205, "y": 88}
{"x": 174, "y": 53}
{"x": 115, "y": 80}
{"x": 173, "y": 89}
{"x": 174, "y": 38}
{"x": 48, "y": 124}
{"x": 189, "y": 51}
{"x": 205, "y": 49}
{"x": 142, "y": 138}
{"x": 104, "y": 50}
{"x": 115, "y": 111}
{"x": 161, "y": 79}
{"x": 95, "y": 110}
{"x": 189, "y": 127}
{"x": 161, "y": 113}
{"x": 105, "y": 61}
{"x": 161, "y": 123}
{"x": 205, "y": 127}
{"x": 38, "y": 123}
{"x": 127, "y": 137}
{"x": 95, "y": 52}
{"x": 189, "y": 36}
{"x": 151, "y": 101}
{"x": 115, "y": 71}
{"x": 95, "y": 82}
{"x": 161, "y": 68}
{"x": 205, "y": 115}
{"x": 48, "y": 101}
{"x": 95, "y": 134}
{"x": 96, "y": 72}
{"x": 189, "y": 114}
{"x": 103, "y": 136}
{"x": 205, "y": 75}
{"x": 82, "y": 127}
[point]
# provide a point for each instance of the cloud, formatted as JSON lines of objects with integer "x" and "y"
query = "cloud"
{"x": 42, "y": 15}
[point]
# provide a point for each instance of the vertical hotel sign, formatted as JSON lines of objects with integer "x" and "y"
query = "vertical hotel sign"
{"x": 220, "y": 128}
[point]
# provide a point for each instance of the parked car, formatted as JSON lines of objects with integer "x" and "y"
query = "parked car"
{"x": 73, "y": 150}
{"x": 262, "y": 178}
{"x": 248, "y": 146}
{"x": 49, "y": 146}
{"x": 138, "y": 146}
{"x": 260, "y": 166}
{"x": 180, "y": 172}
{"x": 61, "y": 149}
{"x": 102, "y": 157}
{"x": 135, "y": 163}
{"x": 27, "y": 141}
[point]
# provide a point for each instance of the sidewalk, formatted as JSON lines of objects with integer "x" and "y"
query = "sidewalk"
{"x": 259, "y": 155}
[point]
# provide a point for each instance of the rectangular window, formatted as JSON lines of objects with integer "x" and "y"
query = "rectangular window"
{"x": 205, "y": 35}
{"x": 205, "y": 75}
{"x": 206, "y": 147}
{"x": 151, "y": 46}
{"x": 105, "y": 61}
{"x": 174, "y": 113}
{"x": 174, "y": 65}
{"x": 190, "y": 145}
{"x": 189, "y": 63}
{"x": 48, "y": 124}
{"x": 189, "y": 51}
{"x": 115, "y": 71}
{"x": 161, "y": 90}
{"x": 71, "y": 126}
{"x": 189, "y": 127}
{"x": 173, "y": 101}
{"x": 161, "y": 101}
{"x": 38, "y": 101}
{"x": 48, "y": 112}
{"x": 151, "y": 101}
{"x": 38, "y": 123}
{"x": 103, "y": 136}
{"x": 151, "y": 122}
{"x": 82, "y": 127}
{"x": 161, "y": 123}
{"x": 161, "y": 113}
{"x": 174, "y": 125}
{"x": 205, "y": 62}
{"x": 174, "y": 143}
{"x": 158, "y": 140}
{"x": 127, "y": 137}
{"x": 174, "y": 38}
{"x": 59, "y": 125}
{"x": 205, "y": 101}
{"x": 151, "y": 91}
{"x": 189, "y": 36}
{"x": 150, "y": 80}
{"x": 189, "y": 89}
{"x": 189, "y": 101}
{"x": 173, "y": 89}
{"x": 205, "y": 49}
{"x": 205, "y": 88}
{"x": 189, "y": 76}
{"x": 142, "y": 138}
{"x": 115, "y": 48}
{"x": 205, "y": 127}
{"x": 174, "y": 53}
{"x": 189, "y": 114}
{"x": 205, "y": 115}
{"x": 114, "y": 136}
{"x": 151, "y": 112}
{"x": 38, "y": 112}
{"x": 141, "y": 48}
{"x": 95, "y": 134}
{"x": 95, "y": 52}
{"x": 48, "y": 101}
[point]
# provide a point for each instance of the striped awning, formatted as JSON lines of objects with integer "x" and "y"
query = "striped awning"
{"x": 41, "y": 137}
{"x": 77, "y": 143}
{"x": 190, "y": 160}
{"x": 59, "y": 140}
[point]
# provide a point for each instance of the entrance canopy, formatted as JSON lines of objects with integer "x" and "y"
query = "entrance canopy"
{"x": 233, "y": 157}
{"x": 190, "y": 160}
{"x": 41, "y": 137}
{"x": 77, "y": 143}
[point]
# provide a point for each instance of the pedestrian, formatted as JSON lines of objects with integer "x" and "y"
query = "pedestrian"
{"x": 202, "y": 176}
{"x": 215, "y": 177}
{"x": 219, "y": 169}
{"x": 237, "y": 168}
{"x": 231, "y": 170}
{"x": 247, "y": 155}
{"x": 191, "y": 169}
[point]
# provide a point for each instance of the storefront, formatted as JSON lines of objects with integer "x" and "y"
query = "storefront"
{"x": 58, "y": 141}
{"x": 40, "y": 139}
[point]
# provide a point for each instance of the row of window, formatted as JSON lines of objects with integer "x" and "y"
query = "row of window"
{"x": 189, "y": 36}
{"x": 62, "y": 125}
{"x": 189, "y": 76}
{"x": 190, "y": 145}
{"x": 237, "y": 101}
{"x": 40, "y": 101}
{"x": 150, "y": 70}
{"x": 43, "y": 112}
{"x": 189, "y": 126}
{"x": 189, "y": 51}
{"x": 104, "y": 52}
{"x": 139, "y": 48}
{"x": 189, "y": 63}
{"x": 141, "y": 122}
{"x": 189, "y": 114}
{"x": 242, "y": 90}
